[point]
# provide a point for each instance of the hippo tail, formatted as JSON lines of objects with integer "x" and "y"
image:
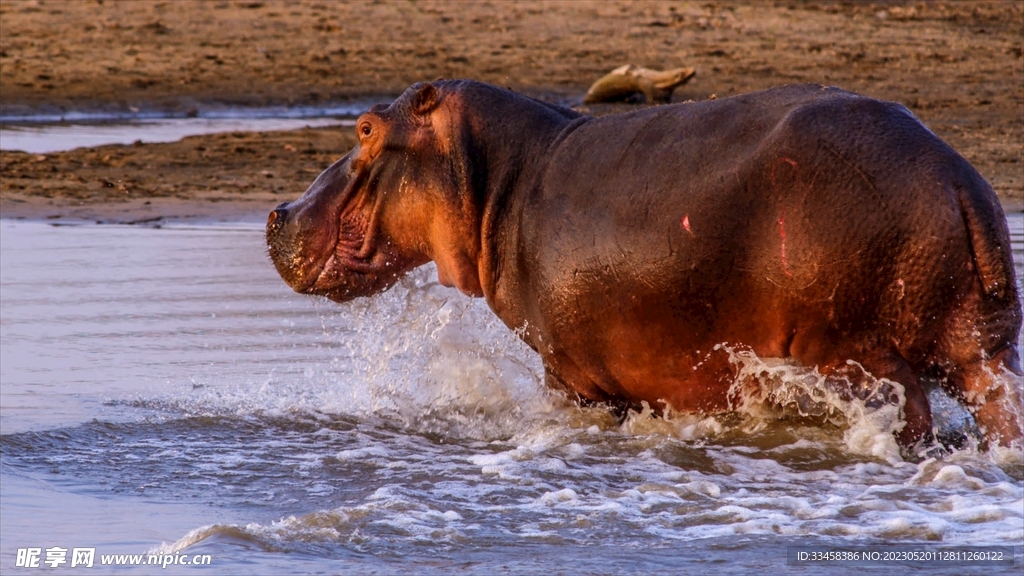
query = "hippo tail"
{"x": 989, "y": 239}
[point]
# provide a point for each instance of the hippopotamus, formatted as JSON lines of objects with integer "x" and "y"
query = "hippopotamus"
{"x": 633, "y": 251}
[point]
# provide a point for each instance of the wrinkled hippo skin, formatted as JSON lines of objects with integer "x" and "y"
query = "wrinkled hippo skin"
{"x": 633, "y": 251}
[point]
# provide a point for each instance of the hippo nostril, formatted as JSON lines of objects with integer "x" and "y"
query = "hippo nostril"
{"x": 276, "y": 217}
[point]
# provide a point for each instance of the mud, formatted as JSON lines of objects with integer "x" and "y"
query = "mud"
{"x": 230, "y": 175}
{"x": 958, "y": 66}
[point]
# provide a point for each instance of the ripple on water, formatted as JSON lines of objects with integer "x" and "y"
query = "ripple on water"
{"x": 422, "y": 430}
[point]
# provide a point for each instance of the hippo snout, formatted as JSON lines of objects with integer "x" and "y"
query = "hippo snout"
{"x": 296, "y": 253}
{"x": 277, "y": 237}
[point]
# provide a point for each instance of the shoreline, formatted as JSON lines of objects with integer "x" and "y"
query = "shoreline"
{"x": 155, "y": 212}
{"x": 219, "y": 177}
{"x": 225, "y": 176}
{"x": 211, "y": 176}
{"x": 959, "y": 67}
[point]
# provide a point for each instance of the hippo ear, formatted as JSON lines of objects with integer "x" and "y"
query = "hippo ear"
{"x": 425, "y": 99}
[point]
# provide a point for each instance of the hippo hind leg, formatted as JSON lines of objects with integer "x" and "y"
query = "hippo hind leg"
{"x": 991, "y": 389}
{"x": 978, "y": 352}
{"x": 917, "y": 429}
{"x": 978, "y": 348}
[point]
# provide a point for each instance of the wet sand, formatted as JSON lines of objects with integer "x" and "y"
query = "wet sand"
{"x": 958, "y": 66}
{"x": 234, "y": 175}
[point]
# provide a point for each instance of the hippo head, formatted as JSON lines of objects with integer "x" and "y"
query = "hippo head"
{"x": 399, "y": 199}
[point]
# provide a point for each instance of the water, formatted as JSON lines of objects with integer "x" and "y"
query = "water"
{"x": 20, "y": 115}
{"x": 164, "y": 392}
{"x": 45, "y": 138}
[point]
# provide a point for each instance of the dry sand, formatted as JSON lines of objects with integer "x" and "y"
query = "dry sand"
{"x": 958, "y": 65}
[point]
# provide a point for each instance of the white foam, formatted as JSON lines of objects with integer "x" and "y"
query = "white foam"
{"x": 559, "y": 496}
{"x": 802, "y": 459}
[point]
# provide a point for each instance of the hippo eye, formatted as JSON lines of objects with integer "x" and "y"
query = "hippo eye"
{"x": 366, "y": 129}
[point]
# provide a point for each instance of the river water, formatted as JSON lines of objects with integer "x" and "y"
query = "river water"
{"x": 47, "y": 137}
{"x": 164, "y": 392}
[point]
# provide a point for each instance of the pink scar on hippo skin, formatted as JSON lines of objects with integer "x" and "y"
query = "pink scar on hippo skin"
{"x": 782, "y": 215}
{"x": 782, "y": 235}
{"x": 686, "y": 224}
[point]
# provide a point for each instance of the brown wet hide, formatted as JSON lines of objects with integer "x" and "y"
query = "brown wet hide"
{"x": 433, "y": 206}
{"x": 635, "y": 252}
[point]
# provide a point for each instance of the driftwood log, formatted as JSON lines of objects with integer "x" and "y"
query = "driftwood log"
{"x": 625, "y": 81}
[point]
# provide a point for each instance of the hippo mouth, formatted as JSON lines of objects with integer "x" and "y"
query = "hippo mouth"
{"x": 351, "y": 261}
{"x": 338, "y": 256}
{"x": 325, "y": 269}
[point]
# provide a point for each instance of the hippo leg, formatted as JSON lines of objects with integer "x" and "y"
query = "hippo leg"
{"x": 583, "y": 390}
{"x": 917, "y": 414}
{"x": 987, "y": 389}
{"x": 590, "y": 395}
